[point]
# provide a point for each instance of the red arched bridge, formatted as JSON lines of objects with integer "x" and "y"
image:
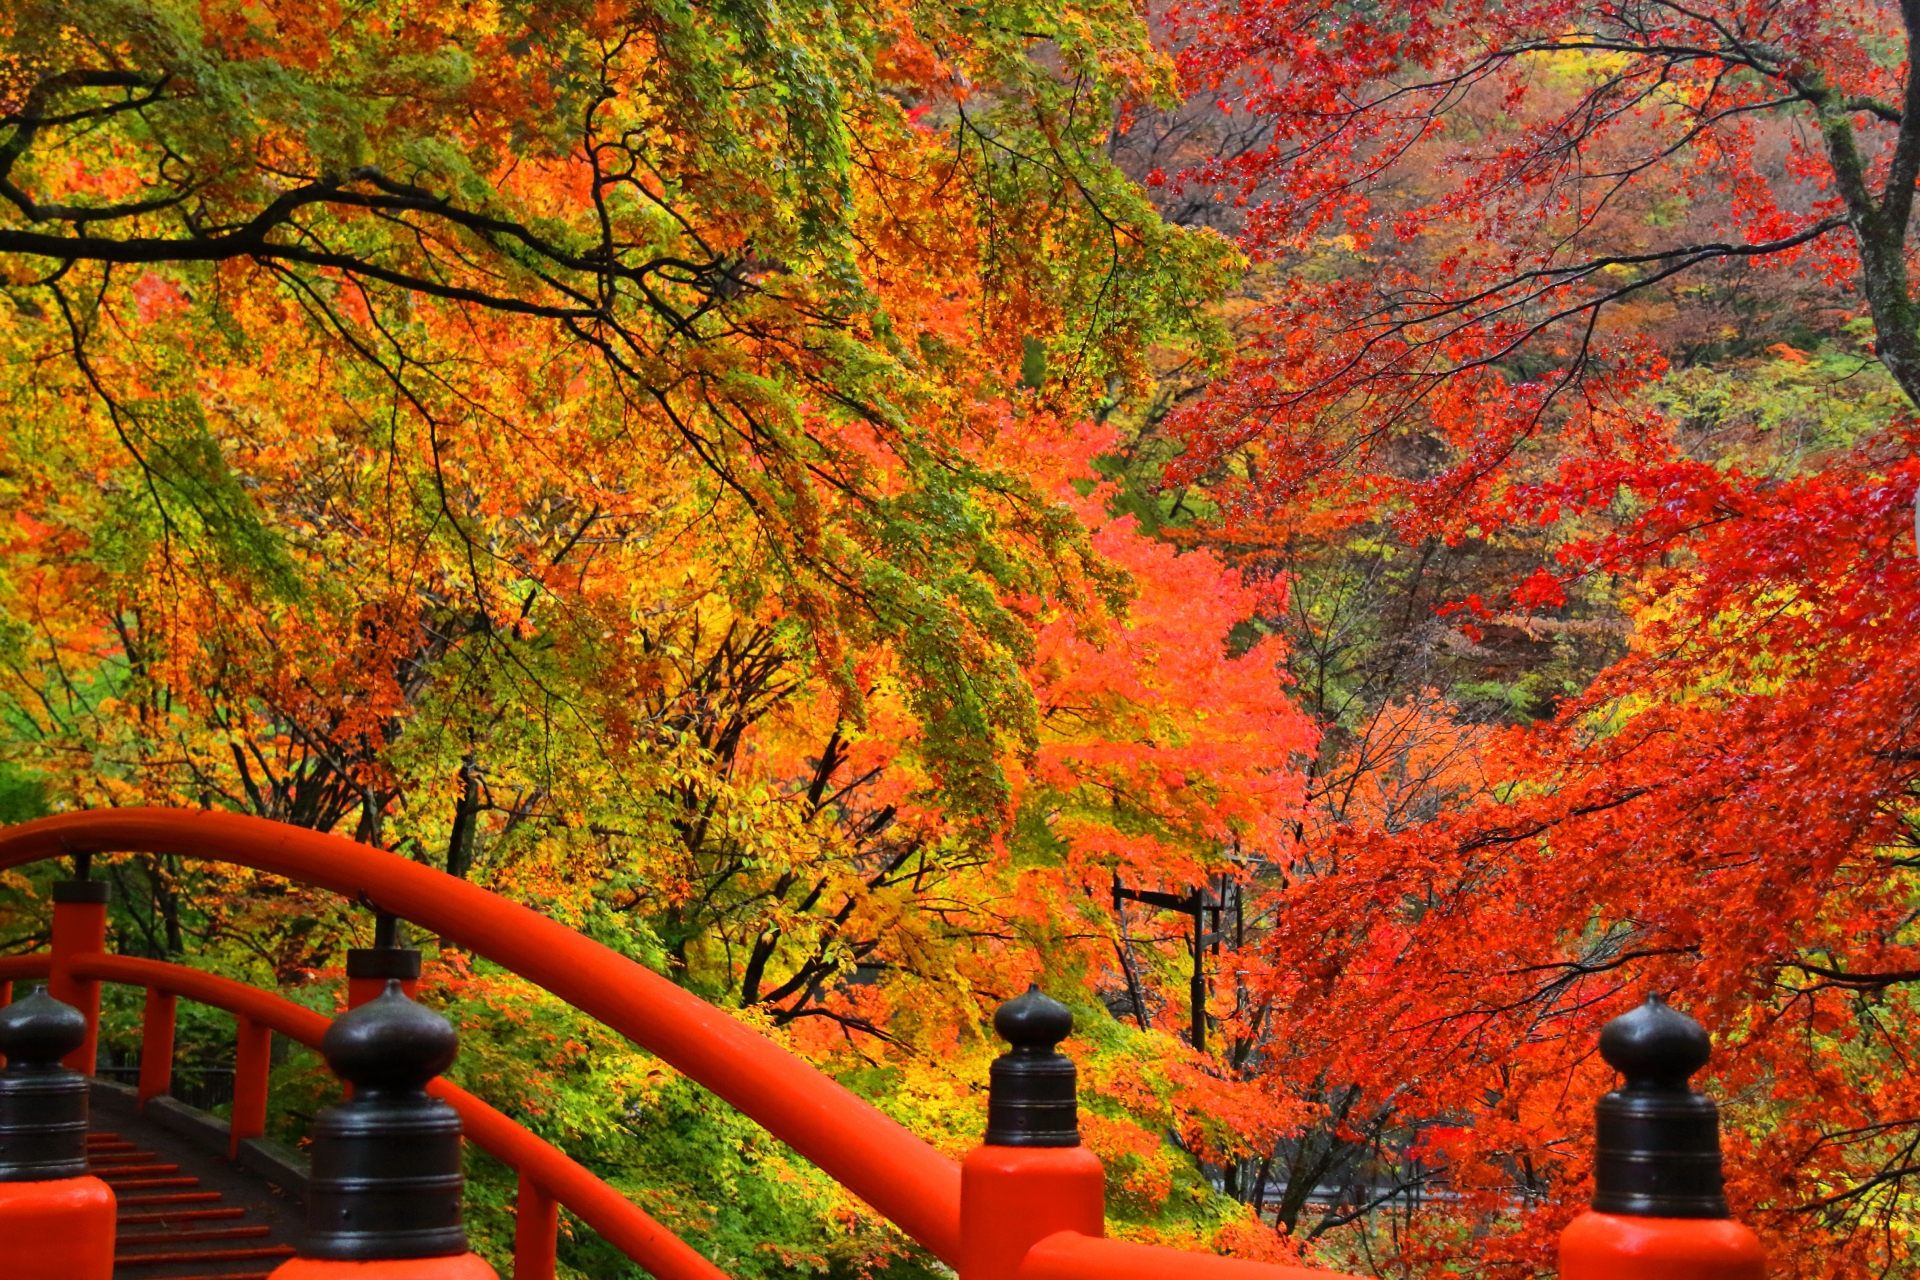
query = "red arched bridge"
{"x": 1010, "y": 1212}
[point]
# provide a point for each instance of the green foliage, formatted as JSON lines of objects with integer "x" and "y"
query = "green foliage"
{"x": 698, "y": 1166}
{"x": 1785, "y": 415}
{"x": 23, "y": 794}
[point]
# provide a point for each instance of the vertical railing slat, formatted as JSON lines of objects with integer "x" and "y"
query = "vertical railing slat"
{"x": 156, "y": 1046}
{"x": 251, "y": 1064}
{"x": 536, "y": 1232}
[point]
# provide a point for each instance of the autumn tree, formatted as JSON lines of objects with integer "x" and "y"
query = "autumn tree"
{"x": 1493, "y": 239}
{"x": 729, "y": 217}
{"x": 1782, "y": 122}
{"x": 643, "y": 460}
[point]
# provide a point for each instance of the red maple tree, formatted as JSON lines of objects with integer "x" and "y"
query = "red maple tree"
{"x": 1483, "y": 220}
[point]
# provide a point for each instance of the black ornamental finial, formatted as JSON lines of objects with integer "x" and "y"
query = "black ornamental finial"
{"x": 43, "y": 1105}
{"x": 1030, "y": 1100}
{"x": 1658, "y": 1150}
{"x": 386, "y": 1181}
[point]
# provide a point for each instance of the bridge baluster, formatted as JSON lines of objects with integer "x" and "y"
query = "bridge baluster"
{"x": 536, "y": 1232}
{"x": 383, "y": 1201}
{"x": 56, "y": 1221}
{"x": 252, "y": 1061}
{"x": 156, "y": 1045}
{"x": 1031, "y": 1178}
{"x": 1659, "y": 1212}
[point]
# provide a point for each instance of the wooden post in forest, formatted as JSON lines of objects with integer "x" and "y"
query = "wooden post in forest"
{"x": 1196, "y": 905}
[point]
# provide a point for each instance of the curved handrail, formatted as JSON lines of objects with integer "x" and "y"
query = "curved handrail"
{"x": 294, "y": 1021}
{"x": 34, "y": 964}
{"x": 849, "y": 1139}
{"x": 622, "y": 1223}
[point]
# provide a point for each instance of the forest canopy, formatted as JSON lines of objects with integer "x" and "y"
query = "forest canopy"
{"x": 861, "y": 507}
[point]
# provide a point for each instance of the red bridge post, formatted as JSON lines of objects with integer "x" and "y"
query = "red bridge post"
{"x": 56, "y": 1221}
{"x": 1659, "y": 1212}
{"x": 1031, "y": 1178}
{"x": 79, "y": 929}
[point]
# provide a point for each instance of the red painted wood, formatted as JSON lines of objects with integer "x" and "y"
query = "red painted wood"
{"x": 536, "y": 1232}
{"x": 466, "y": 1266}
{"x": 59, "y": 1230}
{"x": 252, "y": 1062}
{"x": 79, "y": 928}
{"x": 156, "y": 1046}
{"x": 1069, "y": 1256}
{"x": 1011, "y": 1198}
{"x": 902, "y": 1177}
{"x": 35, "y": 964}
{"x": 181, "y": 1257}
{"x": 1606, "y": 1246}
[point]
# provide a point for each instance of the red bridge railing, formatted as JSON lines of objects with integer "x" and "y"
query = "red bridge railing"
{"x": 549, "y": 1178}
{"x": 1020, "y": 1212}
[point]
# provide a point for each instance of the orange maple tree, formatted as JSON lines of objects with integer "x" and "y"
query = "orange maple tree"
{"x": 639, "y": 459}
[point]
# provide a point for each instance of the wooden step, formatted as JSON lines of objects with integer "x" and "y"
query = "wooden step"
{"x": 135, "y": 1170}
{"x": 116, "y": 1159}
{"x": 171, "y": 1197}
{"x": 151, "y": 1182}
{"x": 186, "y": 1234}
{"x": 200, "y": 1255}
{"x": 181, "y": 1215}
